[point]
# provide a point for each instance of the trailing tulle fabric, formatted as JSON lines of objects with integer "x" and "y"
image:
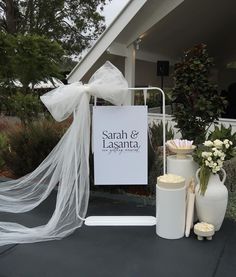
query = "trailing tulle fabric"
{"x": 66, "y": 166}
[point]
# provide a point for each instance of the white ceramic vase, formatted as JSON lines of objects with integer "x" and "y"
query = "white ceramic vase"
{"x": 212, "y": 206}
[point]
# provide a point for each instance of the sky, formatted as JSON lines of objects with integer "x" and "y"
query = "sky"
{"x": 112, "y": 9}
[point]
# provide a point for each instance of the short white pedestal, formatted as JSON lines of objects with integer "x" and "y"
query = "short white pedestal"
{"x": 120, "y": 221}
{"x": 182, "y": 167}
{"x": 170, "y": 212}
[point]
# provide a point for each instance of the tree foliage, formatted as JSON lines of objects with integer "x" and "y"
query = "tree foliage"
{"x": 72, "y": 23}
{"x": 28, "y": 58}
{"x": 198, "y": 103}
{"x": 36, "y": 38}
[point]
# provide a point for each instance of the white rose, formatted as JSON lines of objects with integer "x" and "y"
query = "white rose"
{"x": 209, "y": 159}
{"x": 205, "y": 154}
{"x": 227, "y": 146}
{"x": 218, "y": 143}
{"x": 230, "y": 142}
{"x": 210, "y": 164}
{"x": 207, "y": 163}
{"x": 208, "y": 143}
{"x": 218, "y": 153}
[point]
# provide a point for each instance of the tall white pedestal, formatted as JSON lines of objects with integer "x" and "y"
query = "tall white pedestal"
{"x": 182, "y": 167}
{"x": 170, "y": 211}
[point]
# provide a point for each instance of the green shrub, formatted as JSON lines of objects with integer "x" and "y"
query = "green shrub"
{"x": 155, "y": 163}
{"x": 230, "y": 168}
{"x": 156, "y": 141}
{"x": 26, "y": 106}
{"x": 222, "y": 133}
{"x": 29, "y": 145}
{"x": 156, "y": 134}
{"x": 231, "y": 208}
{"x": 3, "y": 125}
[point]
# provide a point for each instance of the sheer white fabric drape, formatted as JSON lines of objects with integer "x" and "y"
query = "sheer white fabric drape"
{"x": 66, "y": 166}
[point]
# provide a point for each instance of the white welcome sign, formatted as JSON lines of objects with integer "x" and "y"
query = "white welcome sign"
{"x": 120, "y": 145}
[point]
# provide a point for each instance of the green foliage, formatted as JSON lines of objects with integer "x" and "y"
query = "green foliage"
{"x": 222, "y": 133}
{"x": 152, "y": 103}
{"x": 154, "y": 152}
{"x": 36, "y": 58}
{"x": 198, "y": 103}
{"x": 30, "y": 145}
{"x": 28, "y": 58}
{"x": 231, "y": 208}
{"x": 67, "y": 64}
{"x": 7, "y": 53}
{"x": 156, "y": 134}
{"x": 230, "y": 168}
{"x": 25, "y": 106}
{"x": 204, "y": 176}
{"x": 197, "y": 154}
{"x": 3, "y": 147}
{"x": 72, "y": 23}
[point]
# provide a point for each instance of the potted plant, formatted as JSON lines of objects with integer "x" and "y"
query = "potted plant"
{"x": 211, "y": 193}
{"x": 198, "y": 104}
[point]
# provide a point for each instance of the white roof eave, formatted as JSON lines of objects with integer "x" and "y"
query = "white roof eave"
{"x": 109, "y": 35}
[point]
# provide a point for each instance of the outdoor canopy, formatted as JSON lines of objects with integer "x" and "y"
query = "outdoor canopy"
{"x": 66, "y": 166}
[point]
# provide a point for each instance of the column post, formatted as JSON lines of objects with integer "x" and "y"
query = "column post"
{"x": 130, "y": 71}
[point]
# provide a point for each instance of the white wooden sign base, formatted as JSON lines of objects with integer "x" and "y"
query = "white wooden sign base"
{"x": 120, "y": 221}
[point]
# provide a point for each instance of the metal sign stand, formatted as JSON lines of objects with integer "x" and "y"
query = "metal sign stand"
{"x": 133, "y": 220}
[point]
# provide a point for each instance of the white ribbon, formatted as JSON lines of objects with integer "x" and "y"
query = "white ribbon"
{"x": 66, "y": 166}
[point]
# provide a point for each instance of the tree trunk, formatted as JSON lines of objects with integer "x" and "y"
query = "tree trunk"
{"x": 10, "y": 17}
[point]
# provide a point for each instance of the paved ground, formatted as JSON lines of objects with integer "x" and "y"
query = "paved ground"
{"x": 117, "y": 251}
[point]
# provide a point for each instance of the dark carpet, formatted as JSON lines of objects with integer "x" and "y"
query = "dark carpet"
{"x": 117, "y": 251}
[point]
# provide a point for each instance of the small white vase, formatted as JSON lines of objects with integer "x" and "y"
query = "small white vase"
{"x": 211, "y": 206}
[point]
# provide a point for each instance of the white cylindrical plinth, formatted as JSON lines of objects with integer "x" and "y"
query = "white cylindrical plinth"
{"x": 170, "y": 210}
{"x": 182, "y": 167}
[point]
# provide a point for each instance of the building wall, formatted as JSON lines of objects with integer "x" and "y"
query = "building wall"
{"x": 118, "y": 61}
{"x": 146, "y": 75}
{"x": 226, "y": 77}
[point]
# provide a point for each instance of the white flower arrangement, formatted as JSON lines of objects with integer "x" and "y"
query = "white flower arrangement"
{"x": 211, "y": 157}
{"x": 214, "y": 157}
